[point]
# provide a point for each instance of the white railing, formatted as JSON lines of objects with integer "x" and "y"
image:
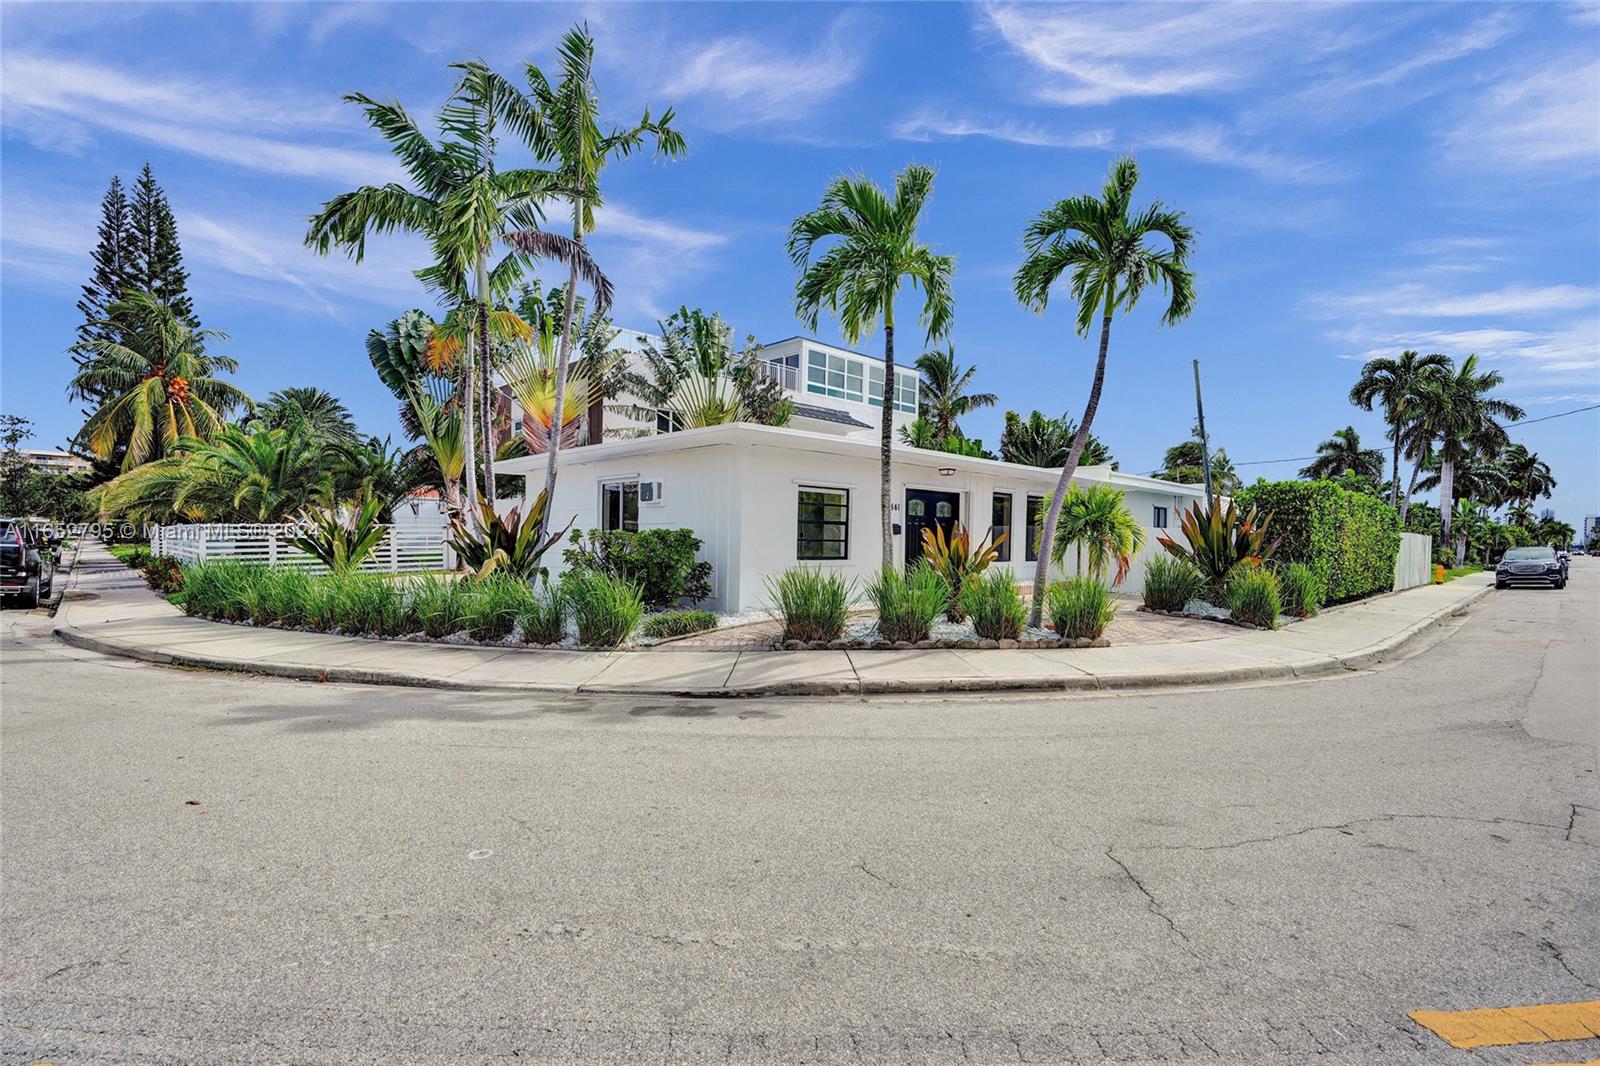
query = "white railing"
{"x": 784, "y": 374}
{"x": 403, "y": 550}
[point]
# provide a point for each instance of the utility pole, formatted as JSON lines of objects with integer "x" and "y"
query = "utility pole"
{"x": 1200, "y": 423}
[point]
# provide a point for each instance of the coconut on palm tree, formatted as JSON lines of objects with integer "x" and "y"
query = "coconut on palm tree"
{"x": 1458, "y": 414}
{"x": 1105, "y": 249}
{"x": 1343, "y": 453}
{"x": 1096, "y": 521}
{"x": 161, "y": 383}
{"x": 1396, "y": 385}
{"x": 872, "y": 249}
{"x": 943, "y": 394}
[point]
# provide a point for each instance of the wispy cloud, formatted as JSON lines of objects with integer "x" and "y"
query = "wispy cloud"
{"x": 647, "y": 257}
{"x": 931, "y": 125}
{"x": 1544, "y": 121}
{"x": 1560, "y": 351}
{"x": 62, "y": 104}
{"x": 1216, "y": 144}
{"x": 1421, "y": 301}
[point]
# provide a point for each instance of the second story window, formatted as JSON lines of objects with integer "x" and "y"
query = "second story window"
{"x": 834, "y": 375}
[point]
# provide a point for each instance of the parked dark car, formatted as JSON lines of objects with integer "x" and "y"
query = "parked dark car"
{"x": 27, "y": 561}
{"x": 1531, "y": 566}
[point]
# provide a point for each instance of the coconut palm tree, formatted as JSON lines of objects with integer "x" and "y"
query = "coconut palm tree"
{"x": 1106, "y": 252}
{"x": 1343, "y": 452}
{"x": 943, "y": 391}
{"x": 874, "y": 250}
{"x": 1395, "y": 383}
{"x": 161, "y": 383}
{"x": 323, "y": 413}
{"x": 1528, "y": 477}
{"x": 464, "y": 207}
{"x": 1096, "y": 519}
{"x": 1457, "y": 412}
{"x": 1040, "y": 440}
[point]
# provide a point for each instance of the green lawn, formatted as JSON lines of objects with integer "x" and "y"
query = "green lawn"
{"x": 1460, "y": 571}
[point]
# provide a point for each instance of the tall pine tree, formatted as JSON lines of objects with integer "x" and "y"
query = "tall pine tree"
{"x": 113, "y": 256}
{"x": 157, "y": 264}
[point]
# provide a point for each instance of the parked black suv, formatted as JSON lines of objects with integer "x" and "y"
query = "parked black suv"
{"x": 27, "y": 561}
{"x": 1531, "y": 566}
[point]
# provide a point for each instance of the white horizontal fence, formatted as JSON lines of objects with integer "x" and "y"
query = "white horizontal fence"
{"x": 403, "y": 550}
{"x": 1413, "y": 566}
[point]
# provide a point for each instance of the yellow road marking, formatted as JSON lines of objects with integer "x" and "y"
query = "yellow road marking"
{"x": 1492, "y": 1026}
{"x": 1590, "y": 1062}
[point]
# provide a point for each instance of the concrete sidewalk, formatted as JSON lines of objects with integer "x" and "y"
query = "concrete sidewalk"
{"x": 107, "y": 608}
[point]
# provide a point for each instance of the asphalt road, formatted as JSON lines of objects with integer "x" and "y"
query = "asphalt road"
{"x": 215, "y": 868}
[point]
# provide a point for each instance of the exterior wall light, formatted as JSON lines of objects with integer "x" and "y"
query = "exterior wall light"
{"x": 947, "y": 471}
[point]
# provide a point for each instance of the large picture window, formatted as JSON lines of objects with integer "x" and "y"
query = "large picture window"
{"x": 1000, "y": 523}
{"x": 824, "y": 524}
{"x": 619, "y": 506}
{"x": 1035, "y": 526}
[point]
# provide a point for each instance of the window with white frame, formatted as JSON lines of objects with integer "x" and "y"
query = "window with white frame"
{"x": 844, "y": 378}
{"x": 619, "y": 506}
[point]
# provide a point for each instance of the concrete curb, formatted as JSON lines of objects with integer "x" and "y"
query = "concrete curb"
{"x": 1388, "y": 650}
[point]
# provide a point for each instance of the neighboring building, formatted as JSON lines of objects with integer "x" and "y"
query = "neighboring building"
{"x": 52, "y": 461}
{"x": 1590, "y": 530}
{"x": 763, "y": 499}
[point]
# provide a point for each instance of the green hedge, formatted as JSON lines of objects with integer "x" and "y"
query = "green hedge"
{"x": 1349, "y": 539}
{"x": 660, "y": 561}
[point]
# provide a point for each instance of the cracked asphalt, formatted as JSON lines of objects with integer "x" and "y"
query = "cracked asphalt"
{"x": 216, "y": 868}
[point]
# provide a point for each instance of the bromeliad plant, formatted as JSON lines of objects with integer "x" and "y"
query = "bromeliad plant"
{"x": 958, "y": 560}
{"x": 341, "y": 537}
{"x": 515, "y": 544}
{"x": 1220, "y": 540}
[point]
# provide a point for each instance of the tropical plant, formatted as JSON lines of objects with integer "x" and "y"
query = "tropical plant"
{"x": 813, "y": 604}
{"x": 1299, "y": 590}
{"x": 677, "y": 623}
{"x": 463, "y": 207}
{"x": 1554, "y": 532}
{"x": 1527, "y": 477}
{"x": 958, "y": 560}
{"x": 492, "y": 605}
{"x": 1396, "y": 384}
{"x": 606, "y": 609}
{"x": 341, "y": 537}
{"x": 217, "y": 588}
{"x": 1170, "y": 583}
{"x": 441, "y": 427}
{"x": 322, "y": 414}
{"x": 874, "y": 250}
{"x": 921, "y": 433}
{"x": 1105, "y": 251}
{"x": 994, "y": 603}
{"x": 544, "y": 617}
{"x": 1252, "y": 597}
{"x": 1097, "y": 519}
{"x": 160, "y": 383}
{"x": 664, "y": 563}
{"x": 513, "y": 543}
{"x": 438, "y": 603}
{"x": 1477, "y": 477}
{"x": 1343, "y": 453}
{"x": 1185, "y": 461}
{"x": 1039, "y": 440}
{"x": 943, "y": 396}
{"x": 1219, "y": 539}
{"x": 1457, "y": 412}
{"x": 1348, "y": 539}
{"x": 1080, "y": 608}
{"x": 908, "y": 603}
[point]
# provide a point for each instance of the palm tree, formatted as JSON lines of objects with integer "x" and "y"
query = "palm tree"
{"x": 1185, "y": 464}
{"x": 1555, "y": 533}
{"x": 1097, "y": 519}
{"x": 875, "y": 250}
{"x": 1528, "y": 477}
{"x": 944, "y": 397}
{"x": 1396, "y": 383}
{"x": 1458, "y": 413}
{"x": 161, "y": 383}
{"x": 1105, "y": 251}
{"x": 267, "y": 475}
{"x": 463, "y": 207}
{"x": 323, "y": 413}
{"x": 1520, "y": 514}
{"x": 1040, "y": 440}
{"x": 561, "y": 123}
{"x": 1343, "y": 452}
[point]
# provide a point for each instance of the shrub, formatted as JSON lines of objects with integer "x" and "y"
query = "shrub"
{"x": 678, "y": 623}
{"x": 1170, "y": 583}
{"x": 812, "y": 603}
{"x": 1219, "y": 538}
{"x": 1252, "y": 597}
{"x": 218, "y": 589}
{"x": 605, "y": 608}
{"x": 1079, "y": 607}
{"x": 437, "y": 604}
{"x": 660, "y": 561}
{"x": 133, "y": 556}
{"x": 513, "y": 543}
{"x": 341, "y": 536}
{"x": 908, "y": 604}
{"x": 543, "y": 618}
{"x": 1349, "y": 540}
{"x": 1297, "y": 588}
{"x": 492, "y": 605}
{"x": 995, "y": 605}
{"x": 164, "y": 574}
{"x": 957, "y": 560}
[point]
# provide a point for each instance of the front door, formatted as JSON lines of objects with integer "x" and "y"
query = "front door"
{"x": 924, "y": 510}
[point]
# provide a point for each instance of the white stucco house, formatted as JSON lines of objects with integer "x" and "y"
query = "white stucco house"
{"x": 763, "y": 499}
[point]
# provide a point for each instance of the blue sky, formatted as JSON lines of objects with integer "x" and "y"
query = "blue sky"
{"x": 1364, "y": 178}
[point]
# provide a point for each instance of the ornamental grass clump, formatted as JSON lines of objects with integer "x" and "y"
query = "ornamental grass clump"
{"x": 1252, "y": 597}
{"x": 607, "y": 609}
{"x": 994, "y": 604}
{"x": 1298, "y": 589}
{"x": 492, "y": 604}
{"x": 908, "y": 604}
{"x": 543, "y": 618}
{"x": 218, "y": 589}
{"x": 372, "y": 604}
{"x": 1170, "y": 583}
{"x": 278, "y": 596}
{"x": 1079, "y": 607}
{"x": 437, "y": 603}
{"x": 677, "y": 623}
{"x": 812, "y": 603}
